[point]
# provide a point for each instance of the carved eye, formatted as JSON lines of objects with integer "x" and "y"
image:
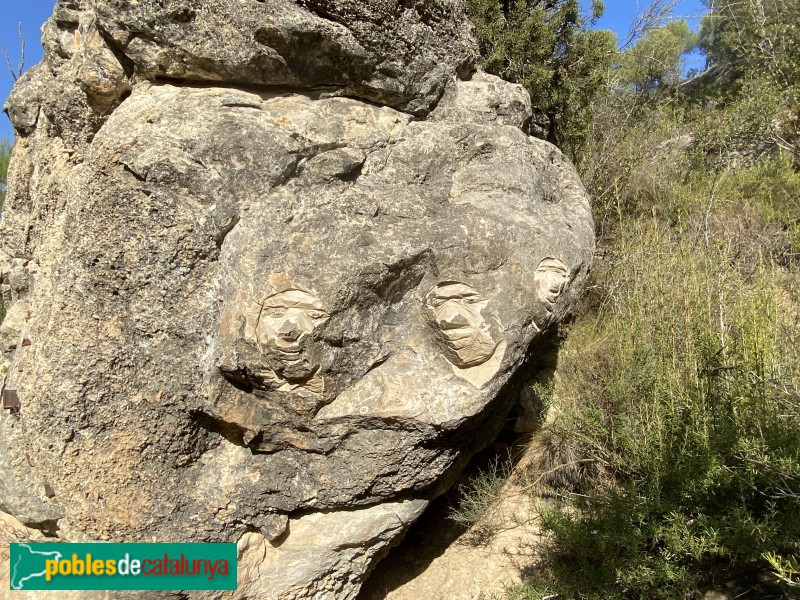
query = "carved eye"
{"x": 472, "y": 300}
{"x": 436, "y": 302}
{"x": 275, "y": 312}
{"x": 317, "y": 314}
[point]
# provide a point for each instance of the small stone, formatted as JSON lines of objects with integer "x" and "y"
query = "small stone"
{"x": 10, "y": 400}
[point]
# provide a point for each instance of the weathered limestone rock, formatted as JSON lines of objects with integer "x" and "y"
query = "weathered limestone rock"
{"x": 338, "y": 569}
{"x": 485, "y": 99}
{"x": 243, "y": 307}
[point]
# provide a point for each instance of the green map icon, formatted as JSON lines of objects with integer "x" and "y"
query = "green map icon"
{"x": 28, "y": 564}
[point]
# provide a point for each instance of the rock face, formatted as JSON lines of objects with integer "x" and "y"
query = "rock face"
{"x": 270, "y": 268}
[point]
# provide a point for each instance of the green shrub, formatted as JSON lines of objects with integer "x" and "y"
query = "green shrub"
{"x": 478, "y": 497}
{"x": 684, "y": 386}
{"x": 5, "y": 156}
{"x": 549, "y": 48}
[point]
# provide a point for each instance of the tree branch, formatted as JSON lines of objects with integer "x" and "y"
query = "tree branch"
{"x": 16, "y": 74}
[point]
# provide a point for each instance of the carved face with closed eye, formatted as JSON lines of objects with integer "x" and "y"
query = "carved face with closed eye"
{"x": 464, "y": 332}
{"x": 552, "y": 277}
{"x": 284, "y": 326}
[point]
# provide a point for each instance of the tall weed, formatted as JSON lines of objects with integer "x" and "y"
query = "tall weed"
{"x": 684, "y": 385}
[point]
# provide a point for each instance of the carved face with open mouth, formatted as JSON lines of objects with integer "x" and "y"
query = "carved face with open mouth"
{"x": 457, "y": 311}
{"x": 284, "y": 326}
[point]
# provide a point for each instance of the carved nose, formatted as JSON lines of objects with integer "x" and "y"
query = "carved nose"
{"x": 289, "y": 329}
{"x": 451, "y": 318}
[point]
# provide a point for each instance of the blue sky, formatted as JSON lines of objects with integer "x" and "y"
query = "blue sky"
{"x": 32, "y": 13}
{"x": 619, "y": 14}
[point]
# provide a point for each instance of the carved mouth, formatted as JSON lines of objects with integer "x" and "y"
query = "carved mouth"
{"x": 473, "y": 345}
{"x": 459, "y": 333}
{"x": 288, "y": 354}
{"x": 457, "y": 338}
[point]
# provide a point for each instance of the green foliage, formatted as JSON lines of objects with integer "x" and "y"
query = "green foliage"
{"x": 754, "y": 38}
{"x": 633, "y": 157}
{"x": 5, "y": 156}
{"x": 754, "y": 52}
{"x": 655, "y": 63}
{"x": 548, "y": 48}
{"x": 747, "y": 125}
{"x": 787, "y": 570}
{"x": 683, "y": 385}
{"x": 478, "y": 497}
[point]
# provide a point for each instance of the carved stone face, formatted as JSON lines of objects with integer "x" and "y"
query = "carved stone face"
{"x": 457, "y": 311}
{"x": 286, "y": 320}
{"x": 552, "y": 276}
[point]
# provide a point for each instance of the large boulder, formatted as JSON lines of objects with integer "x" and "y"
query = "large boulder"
{"x": 244, "y": 309}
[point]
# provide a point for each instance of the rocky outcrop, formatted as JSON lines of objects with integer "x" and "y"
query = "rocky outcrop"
{"x": 270, "y": 270}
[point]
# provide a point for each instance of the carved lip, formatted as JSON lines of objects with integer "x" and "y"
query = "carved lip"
{"x": 290, "y": 352}
{"x": 285, "y": 353}
{"x": 463, "y": 337}
{"x": 460, "y": 333}
{"x": 550, "y": 297}
{"x": 285, "y": 345}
